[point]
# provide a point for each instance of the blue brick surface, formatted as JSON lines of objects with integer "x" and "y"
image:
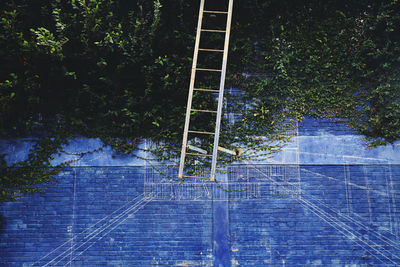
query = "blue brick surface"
{"x": 332, "y": 126}
{"x": 342, "y": 215}
{"x": 324, "y": 227}
{"x": 338, "y": 205}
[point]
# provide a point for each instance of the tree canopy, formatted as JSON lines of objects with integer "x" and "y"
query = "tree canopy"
{"x": 119, "y": 71}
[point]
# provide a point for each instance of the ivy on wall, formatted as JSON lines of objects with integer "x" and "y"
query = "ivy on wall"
{"x": 119, "y": 71}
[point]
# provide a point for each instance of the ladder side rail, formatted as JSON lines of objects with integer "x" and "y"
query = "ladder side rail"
{"x": 221, "y": 91}
{"x": 191, "y": 87}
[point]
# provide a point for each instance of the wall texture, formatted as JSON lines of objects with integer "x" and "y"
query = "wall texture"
{"x": 324, "y": 201}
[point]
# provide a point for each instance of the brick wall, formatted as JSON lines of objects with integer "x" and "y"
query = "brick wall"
{"x": 346, "y": 216}
{"x": 334, "y": 203}
{"x": 335, "y": 215}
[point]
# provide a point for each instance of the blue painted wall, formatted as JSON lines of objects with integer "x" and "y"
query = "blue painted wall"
{"x": 324, "y": 201}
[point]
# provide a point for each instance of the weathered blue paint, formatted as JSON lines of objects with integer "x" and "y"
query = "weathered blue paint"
{"x": 324, "y": 127}
{"x": 97, "y": 216}
{"x": 221, "y": 244}
{"x": 331, "y": 143}
{"x": 221, "y": 235}
{"x": 336, "y": 204}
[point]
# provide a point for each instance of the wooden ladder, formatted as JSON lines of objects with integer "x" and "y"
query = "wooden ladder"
{"x": 220, "y": 93}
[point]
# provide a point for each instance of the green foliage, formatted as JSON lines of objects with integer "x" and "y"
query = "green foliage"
{"x": 331, "y": 59}
{"x": 119, "y": 71}
{"x": 35, "y": 173}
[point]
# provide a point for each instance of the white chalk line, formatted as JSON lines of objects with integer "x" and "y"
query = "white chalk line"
{"x": 325, "y": 216}
{"x": 122, "y": 221}
{"x": 335, "y": 226}
{"x": 356, "y": 221}
{"x": 341, "y": 223}
{"x": 86, "y": 230}
{"x": 95, "y": 233}
{"x": 341, "y": 181}
{"x": 383, "y": 238}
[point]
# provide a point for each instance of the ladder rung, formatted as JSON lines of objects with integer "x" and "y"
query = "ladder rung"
{"x": 197, "y": 154}
{"x": 204, "y": 110}
{"x": 199, "y": 132}
{"x": 197, "y": 177}
{"x": 208, "y": 69}
{"x": 206, "y": 90}
{"x": 211, "y": 50}
{"x": 209, "y": 30}
{"x": 216, "y": 12}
